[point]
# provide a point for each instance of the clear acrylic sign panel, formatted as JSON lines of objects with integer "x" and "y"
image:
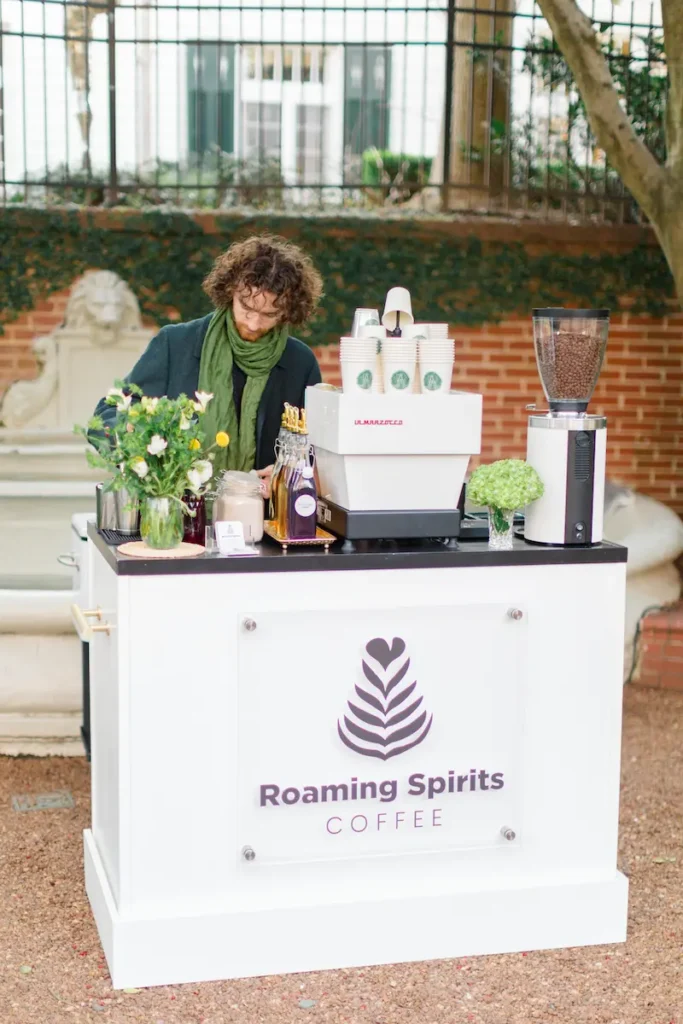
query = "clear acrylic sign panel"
{"x": 389, "y": 732}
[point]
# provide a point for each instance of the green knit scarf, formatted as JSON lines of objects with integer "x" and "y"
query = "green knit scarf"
{"x": 222, "y": 344}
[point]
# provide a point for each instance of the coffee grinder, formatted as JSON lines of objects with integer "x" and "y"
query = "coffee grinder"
{"x": 567, "y": 446}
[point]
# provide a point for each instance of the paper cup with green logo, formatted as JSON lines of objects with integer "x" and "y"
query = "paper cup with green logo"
{"x": 399, "y": 374}
{"x": 358, "y": 375}
{"x": 435, "y": 377}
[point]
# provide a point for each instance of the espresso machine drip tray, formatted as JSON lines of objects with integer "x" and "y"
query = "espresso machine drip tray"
{"x": 389, "y": 525}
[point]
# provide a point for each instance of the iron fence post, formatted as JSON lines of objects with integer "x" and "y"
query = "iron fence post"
{"x": 448, "y": 105}
{"x": 111, "y": 38}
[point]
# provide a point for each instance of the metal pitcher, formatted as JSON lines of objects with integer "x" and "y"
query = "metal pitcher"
{"x": 112, "y": 513}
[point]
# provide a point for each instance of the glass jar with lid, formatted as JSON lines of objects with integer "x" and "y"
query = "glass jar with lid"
{"x": 239, "y": 499}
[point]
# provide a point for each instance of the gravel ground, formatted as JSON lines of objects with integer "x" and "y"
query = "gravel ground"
{"x": 52, "y": 969}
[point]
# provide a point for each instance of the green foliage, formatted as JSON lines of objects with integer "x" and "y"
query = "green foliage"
{"x": 216, "y": 181}
{"x": 508, "y": 484}
{"x": 154, "y": 448}
{"x": 551, "y": 160}
{"x": 165, "y": 256}
{"x": 399, "y": 175}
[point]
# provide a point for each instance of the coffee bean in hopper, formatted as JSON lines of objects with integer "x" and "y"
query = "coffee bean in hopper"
{"x": 572, "y": 371}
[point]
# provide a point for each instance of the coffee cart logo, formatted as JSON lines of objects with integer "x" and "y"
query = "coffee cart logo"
{"x": 388, "y": 717}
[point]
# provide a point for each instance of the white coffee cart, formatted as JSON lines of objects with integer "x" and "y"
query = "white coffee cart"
{"x": 305, "y": 761}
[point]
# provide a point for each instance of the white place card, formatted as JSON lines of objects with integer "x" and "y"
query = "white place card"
{"x": 230, "y": 538}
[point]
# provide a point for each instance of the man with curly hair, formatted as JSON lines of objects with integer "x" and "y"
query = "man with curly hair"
{"x": 242, "y": 353}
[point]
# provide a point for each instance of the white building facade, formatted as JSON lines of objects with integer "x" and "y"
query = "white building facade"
{"x": 306, "y": 89}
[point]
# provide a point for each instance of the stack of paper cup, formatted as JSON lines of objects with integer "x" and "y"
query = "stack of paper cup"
{"x": 399, "y": 356}
{"x": 416, "y": 332}
{"x": 436, "y": 359}
{"x": 358, "y": 358}
{"x": 361, "y": 317}
{"x": 439, "y": 332}
{"x": 379, "y": 333}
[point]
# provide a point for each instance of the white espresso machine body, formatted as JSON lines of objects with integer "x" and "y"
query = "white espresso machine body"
{"x": 386, "y": 453}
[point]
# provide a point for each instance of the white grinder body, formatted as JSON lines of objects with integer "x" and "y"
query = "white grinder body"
{"x": 569, "y": 453}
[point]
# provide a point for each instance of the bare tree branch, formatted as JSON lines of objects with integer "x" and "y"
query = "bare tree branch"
{"x": 643, "y": 176}
{"x": 672, "y": 17}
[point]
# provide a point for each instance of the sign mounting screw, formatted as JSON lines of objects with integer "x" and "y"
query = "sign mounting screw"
{"x": 249, "y": 625}
{"x": 248, "y": 854}
{"x": 516, "y": 614}
{"x": 508, "y": 833}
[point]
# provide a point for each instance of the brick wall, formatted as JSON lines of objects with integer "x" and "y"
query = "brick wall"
{"x": 640, "y": 388}
{"x": 660, "y": 649}
{"x": 16, "y": 358}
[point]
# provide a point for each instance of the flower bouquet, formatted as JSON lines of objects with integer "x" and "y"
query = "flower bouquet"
{"x": 504, "y": 486}
{"x": 155, "y": 450}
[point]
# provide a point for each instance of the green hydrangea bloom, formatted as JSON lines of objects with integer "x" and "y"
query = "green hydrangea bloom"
{"x": 507, "y": 484}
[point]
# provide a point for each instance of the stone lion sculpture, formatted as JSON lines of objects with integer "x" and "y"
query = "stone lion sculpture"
{"x": 104, "y": 304}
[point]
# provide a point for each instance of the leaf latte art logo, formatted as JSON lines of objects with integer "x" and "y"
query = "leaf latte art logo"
{"x": 388, "y": 717}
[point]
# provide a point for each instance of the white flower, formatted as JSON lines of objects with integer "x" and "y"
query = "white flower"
{"x": 149, "y": 404}
{"x": 185, "y": 424}
{"x": 141, "y": 468}
{"x": 194, "y": 478}
{"x": 157, "y": 445}
{"x": 129, "y": 427}
{"x": 205, "y": 470}
{"x": 122, "y": 401}
{"x": 203, "y": 399}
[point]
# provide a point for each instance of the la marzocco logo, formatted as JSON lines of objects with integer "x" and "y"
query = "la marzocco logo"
{"x": 378, "y": 423}
{"x": 388, "y": 717}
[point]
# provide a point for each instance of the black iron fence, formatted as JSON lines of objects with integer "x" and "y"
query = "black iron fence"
{"x": 417, "y": 105}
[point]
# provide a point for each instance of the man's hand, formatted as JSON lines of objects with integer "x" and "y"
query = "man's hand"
{"x": 265, "y": 475}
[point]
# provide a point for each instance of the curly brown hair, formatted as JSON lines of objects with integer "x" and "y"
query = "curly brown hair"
{"x": 271, "y": 264}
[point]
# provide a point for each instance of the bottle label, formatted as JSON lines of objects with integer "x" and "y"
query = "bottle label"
{"x": 305, "y": 505}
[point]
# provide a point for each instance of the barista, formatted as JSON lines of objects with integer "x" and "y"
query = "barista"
{"x": 242, "y": 353}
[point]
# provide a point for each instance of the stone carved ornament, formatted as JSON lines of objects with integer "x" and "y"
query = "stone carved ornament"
{"x": 102, "y": 304}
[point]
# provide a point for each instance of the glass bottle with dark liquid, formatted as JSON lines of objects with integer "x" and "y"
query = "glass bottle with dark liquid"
{"x": 302, "y": 504}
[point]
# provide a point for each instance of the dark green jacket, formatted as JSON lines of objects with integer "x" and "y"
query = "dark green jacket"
{"x": 170, "y": 366}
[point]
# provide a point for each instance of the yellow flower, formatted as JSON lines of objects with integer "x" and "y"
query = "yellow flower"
{"x": 222, "y": 439}
{"x": 194, "y": 444}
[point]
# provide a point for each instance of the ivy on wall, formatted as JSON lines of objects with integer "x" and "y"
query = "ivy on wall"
{"x": 165, "y": 256}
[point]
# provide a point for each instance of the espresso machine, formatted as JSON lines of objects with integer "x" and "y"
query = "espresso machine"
{"x": 567, "y": 446}
{"x": 390, "y": 467}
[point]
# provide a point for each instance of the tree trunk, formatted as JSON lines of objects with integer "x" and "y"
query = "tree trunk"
{"x": 667, "y": 222}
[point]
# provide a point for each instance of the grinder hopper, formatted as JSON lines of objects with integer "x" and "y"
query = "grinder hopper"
{"x": 570, "y": 347}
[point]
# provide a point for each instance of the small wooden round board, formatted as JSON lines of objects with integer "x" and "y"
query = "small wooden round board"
{"x": 138, "y": 549}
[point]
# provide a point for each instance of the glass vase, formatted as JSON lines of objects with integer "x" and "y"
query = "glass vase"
{"x": 500, "y": 528}
{"x": 161, "y": 523}
{"x": 194, "y": 524}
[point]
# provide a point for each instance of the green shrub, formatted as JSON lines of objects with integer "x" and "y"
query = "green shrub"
{"x": 395, "y": 175}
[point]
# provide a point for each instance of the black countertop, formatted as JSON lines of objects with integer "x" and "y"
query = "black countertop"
{"x": 385, "y": 555}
